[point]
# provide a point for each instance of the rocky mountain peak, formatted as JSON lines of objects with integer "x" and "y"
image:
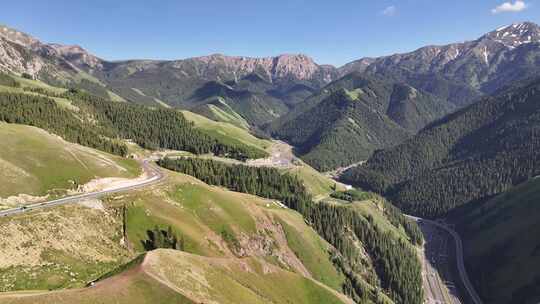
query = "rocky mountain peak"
{"x": 299, "y": 66}
{"x": 17, "y": 36}
{"x": 515, "y": 34}
{"x": 74, "y": 54}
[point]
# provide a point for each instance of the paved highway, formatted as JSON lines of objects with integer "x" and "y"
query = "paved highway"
{"x": 438, "y": 283}
{"x": 154, "y": 175}
{"x": 459, "y": 257}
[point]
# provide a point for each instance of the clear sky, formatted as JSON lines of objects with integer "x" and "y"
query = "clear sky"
{"x": 330, "y": 31}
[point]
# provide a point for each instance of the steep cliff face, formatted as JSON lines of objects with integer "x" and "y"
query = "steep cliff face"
{"x": 292, "y": 66}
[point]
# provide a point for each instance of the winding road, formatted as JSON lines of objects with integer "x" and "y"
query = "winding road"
{"x": 459, "y": 257}
{"x": 153, "y": 174}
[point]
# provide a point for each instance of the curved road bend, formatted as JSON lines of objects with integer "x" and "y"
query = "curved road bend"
{"x": 154, "y": 176}
{"x": 459, "y": 257}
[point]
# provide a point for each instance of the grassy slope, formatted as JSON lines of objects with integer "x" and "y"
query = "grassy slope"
{"x": 249, "y": 280}
{"x": 226, "y": 131}
{"x": 61, "y": 247}
{"x": 310, "y": 249}
{"x": 319, "y": 185}
{"x": 34, "y": 162}
{"x": 168, "y": 276}
{"x": 275, "y": 243}
{"x": 228, "y": 116}
{"x": 133, "y": 286}
{"x": 503, "y": 246}
{"x": 220, "y": 111}
{"x": 201, "y": 212}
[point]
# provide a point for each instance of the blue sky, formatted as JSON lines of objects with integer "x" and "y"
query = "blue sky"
{"x": 332, "y": 32}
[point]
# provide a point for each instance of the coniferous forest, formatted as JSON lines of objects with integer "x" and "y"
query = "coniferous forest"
{"x": 470, "y": 155}
{"x": 395, "y": 260}
{"x": 43, "y": 112}
{"x": 101, "y": 124}
{"x": 154, "y": 128}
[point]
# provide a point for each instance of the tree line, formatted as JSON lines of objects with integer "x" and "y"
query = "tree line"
{"x": 44, "y": 113}
{"x": 103, "y": 125}
{"x": 154, "y": 128}
{"x": 395, "y": 260}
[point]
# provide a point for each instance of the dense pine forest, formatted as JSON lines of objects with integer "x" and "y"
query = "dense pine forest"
{"x": 470, "y": 155}
{"x": 154, "y": 128}
{"x": 395, "y": 260}
{"x": 354, "y": 116}
{"x": 101, "y": 124}
{"x": 43, "y": 112}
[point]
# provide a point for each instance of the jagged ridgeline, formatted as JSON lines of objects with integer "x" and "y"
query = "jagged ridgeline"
{"x": 397, "y": 271}
{"x": 98, "y": 123}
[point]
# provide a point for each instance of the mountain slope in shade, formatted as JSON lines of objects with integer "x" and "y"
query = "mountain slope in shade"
{"x": 469, "y": 155}
{"x": 352, "y": 117}
{"x": 500, "y": 249}
{"x": 254, "y": 105}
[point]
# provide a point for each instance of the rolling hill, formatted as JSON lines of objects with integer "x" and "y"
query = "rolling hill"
{"x": 91, "y": 239}
{"x": 36, "y": 163}
{"x": 168, "y": 276}
{"x": 255, "y": 240}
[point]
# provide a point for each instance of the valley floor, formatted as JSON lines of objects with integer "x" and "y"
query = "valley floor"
{"x": 439, "y": 284}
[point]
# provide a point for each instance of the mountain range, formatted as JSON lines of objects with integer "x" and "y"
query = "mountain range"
{"x": 278, "y": 94}
{"x": 447, "y": 131}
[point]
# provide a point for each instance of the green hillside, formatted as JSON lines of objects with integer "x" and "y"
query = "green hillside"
{"x": 352, "y": 117}
{"x": 384, "y": 247}
{"x": 502, "y": 246}
{"x": 226, "y": 132}
{"x": 99, "y": 123}
{"x": 231, "y": 281}
{"x": 36, "y": 163}
{"x": 169, "y": 276}
{"x": 469, "y": 155}
{"x": 252, "y": 104}
{"x": 339, "y": 131}
{"x": 219, "y": 110}
{"x": 212, "y": 222}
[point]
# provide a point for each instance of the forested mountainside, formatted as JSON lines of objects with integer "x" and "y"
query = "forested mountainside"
{"x": 260, "y": 90}
{"x": 469, "y": 155}
{"x": 98, "y": 123}
{"x": 255, "y": 106}
{"x": 186, "y": 212}
{"x": 395, "y": 263}
{"x": 501, "y": 246}
{"x": 353, "y": 116}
